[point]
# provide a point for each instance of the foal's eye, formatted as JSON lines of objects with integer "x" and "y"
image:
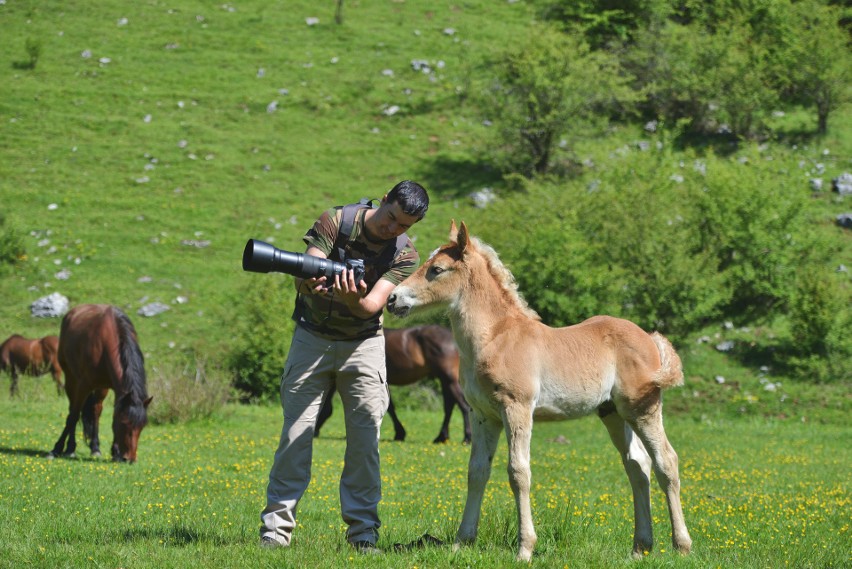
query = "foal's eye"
{"x": 437, "y": 270}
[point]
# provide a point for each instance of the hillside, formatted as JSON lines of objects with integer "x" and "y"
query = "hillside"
{"x": 145, "y": 128}
{"x": 149, "y": 141}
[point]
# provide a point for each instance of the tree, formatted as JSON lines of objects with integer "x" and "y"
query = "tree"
{"x": 820, "y": 65}
{"x": 546, "y": 88}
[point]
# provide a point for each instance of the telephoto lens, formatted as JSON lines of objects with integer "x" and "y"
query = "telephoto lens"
{"x": 260, "y": 257}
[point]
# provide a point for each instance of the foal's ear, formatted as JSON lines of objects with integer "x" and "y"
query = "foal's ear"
{"x": 463, "y": 237}
{"x": 454, "y": 232}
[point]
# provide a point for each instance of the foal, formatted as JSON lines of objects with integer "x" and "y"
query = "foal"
{"x": 515, "y": 368}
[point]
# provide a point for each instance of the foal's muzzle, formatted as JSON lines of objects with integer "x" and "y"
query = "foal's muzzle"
{"x": 395, "y": 307}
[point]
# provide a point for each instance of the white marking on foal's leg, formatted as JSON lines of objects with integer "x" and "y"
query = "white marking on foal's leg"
{"x": 483, "y": 445}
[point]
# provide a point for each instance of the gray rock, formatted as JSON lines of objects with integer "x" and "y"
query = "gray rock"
{"x": 153, "y": 309}
{"x": 842, "y": 184}
{"x": 53, "y": 305}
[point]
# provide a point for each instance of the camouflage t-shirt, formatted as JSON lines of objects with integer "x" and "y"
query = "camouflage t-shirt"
{"x": 328, "y": 317}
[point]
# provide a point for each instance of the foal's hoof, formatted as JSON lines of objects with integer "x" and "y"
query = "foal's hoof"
{"x": 50, "y": 456}
{"x": 96, "y": 454}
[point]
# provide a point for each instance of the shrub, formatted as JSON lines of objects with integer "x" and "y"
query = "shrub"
{"x": 819, "y": 324}
{"x": 33, "y": 47}
{"x": 12, "y": 249}
{"x": 670, "y": 245}
{"x": 263, "y": 331}
{"x": 756, "y": 225}
{"x": 184, "y": 392}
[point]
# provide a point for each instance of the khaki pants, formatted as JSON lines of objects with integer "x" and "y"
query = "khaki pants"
{"x": 314, "y": 365}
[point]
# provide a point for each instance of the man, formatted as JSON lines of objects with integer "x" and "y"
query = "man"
{"x": 338, "y": 343}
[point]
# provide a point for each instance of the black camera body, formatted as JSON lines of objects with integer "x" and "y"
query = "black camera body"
{"x": 260, "y": 257}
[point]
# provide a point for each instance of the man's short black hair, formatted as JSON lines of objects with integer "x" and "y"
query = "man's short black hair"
{"x": 411, "y": 197}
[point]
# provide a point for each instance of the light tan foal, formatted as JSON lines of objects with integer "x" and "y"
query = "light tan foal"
{"x": 515, "y": 369}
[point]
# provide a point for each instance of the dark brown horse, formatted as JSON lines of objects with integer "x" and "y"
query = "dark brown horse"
{"x": 99, "y": 351}
{"x": 30, "y": 357}
{"x": 413, "y": 354}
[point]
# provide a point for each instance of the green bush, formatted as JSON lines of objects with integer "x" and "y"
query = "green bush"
{"x": 12, "y": 249}
{"x": 670, "y": 244}
{"x": 756, "y": 225}
{"x": 34, "y": 48}
{"x": 262, "y": 336}
{"x": 820, "y": 321}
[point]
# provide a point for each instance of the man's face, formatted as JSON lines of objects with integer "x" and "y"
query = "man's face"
{"x": 390, "y": 221}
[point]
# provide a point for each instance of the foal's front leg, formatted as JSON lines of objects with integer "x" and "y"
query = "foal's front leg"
{"x": 486, "y": 433}
{"x": 518, "y": 421}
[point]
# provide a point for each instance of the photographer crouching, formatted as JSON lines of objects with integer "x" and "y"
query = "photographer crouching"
{"x": 355, "y": 257}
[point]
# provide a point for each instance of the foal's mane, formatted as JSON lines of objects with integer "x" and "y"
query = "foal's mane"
{"x": 504, "y": 277}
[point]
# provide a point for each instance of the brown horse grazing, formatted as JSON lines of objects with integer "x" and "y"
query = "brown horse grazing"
{"x": 30, "y": 357}
{"x": 416, "y": 353}
{"x": 515, "y": 368}
{"x": 99, "y": 351}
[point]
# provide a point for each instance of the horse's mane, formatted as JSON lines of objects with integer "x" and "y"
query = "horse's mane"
{"x": 133, "y": 363}
{"x": 504, "y": 277}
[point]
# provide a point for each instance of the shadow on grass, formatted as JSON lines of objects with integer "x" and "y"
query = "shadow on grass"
{"x": 450, "y": 177}
{"x": 177, "y": 536}
{"x": 46, "y": 454}
{"x": 23, "y": 452}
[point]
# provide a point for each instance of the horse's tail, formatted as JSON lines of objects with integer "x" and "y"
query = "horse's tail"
{"x": 670, "y": 373}
{"x": 133, "y": 365}
{"x": 88, "y": 416}
{"x": 5, "y": 361}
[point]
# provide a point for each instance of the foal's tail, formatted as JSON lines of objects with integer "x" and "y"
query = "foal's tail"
{"x": 670, "y": 373}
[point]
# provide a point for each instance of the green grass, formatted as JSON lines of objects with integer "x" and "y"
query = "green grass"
{"x": 756, "y": 493}
{"x": 765, "y": 472}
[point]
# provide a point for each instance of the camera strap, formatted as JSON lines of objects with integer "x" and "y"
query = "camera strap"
{"x": 344, "y": 232}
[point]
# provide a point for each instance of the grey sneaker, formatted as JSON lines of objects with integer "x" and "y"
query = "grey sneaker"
{"x": 367, "y": 548}
{"x": 269, "y": 542}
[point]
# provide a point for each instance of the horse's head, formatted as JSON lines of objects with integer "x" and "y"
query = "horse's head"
{"x": 439, "y": 280}
{"x": 129, "y": 419}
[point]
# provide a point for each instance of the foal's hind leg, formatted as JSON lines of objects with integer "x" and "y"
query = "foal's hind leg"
{"x": 486, "y": 433}
{"x": 649, "y": 427}
{"x": 637, "y": 464}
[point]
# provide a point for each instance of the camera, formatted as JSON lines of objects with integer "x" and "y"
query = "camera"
{"x": 260, "y": 257}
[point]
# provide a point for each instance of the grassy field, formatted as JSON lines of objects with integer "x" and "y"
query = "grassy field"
{"x": 756, "y": 493}
{"x": 150, "y": 140}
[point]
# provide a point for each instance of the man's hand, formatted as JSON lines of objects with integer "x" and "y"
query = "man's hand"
{"x": 313, "y": 286}
{"x": 350, "y": 293}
